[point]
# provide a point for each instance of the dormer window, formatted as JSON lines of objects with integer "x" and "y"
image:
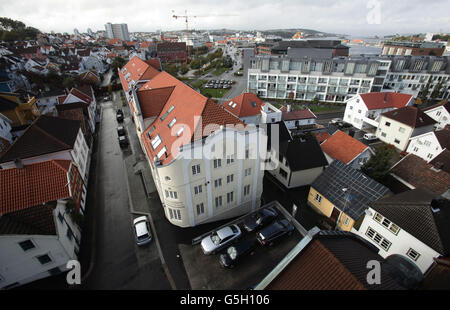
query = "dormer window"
{"x": 155, "y": 142}
{"x": 167, "y": 113}
{"x": 172, "y": 122}
{"x": 161, "y": 153}
{"x": 180, "y": 131}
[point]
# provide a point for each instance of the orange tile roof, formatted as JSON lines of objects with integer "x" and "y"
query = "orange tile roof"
{"x": 137, "y": 70}
{"x": 343, "y": 147}
{"x": 244, "y": 105}
{"x": 152, "y": 101}
{"x": 33, "y": 185}
{"x": 378, "y": 100}
{"x": 321, "y": 136}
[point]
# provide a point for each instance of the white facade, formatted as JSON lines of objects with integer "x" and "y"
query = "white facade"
{"x": 398, "y": 134}
{"x": 270, "y": 114}
{"x": 425, "y": 146}
{"x": 440, "y": 115}
{"x": 357, "y": 113}
{"x": 413, "y": 83}
{"x": 292, "y": 124}
{"x": 394, "y": 240}
{"x": 212, "y": 187}
{"x": 18, "y": 267}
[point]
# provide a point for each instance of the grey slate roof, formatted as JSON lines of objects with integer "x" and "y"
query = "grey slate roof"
{"x": 412, "y": 212}
{"x": 302, "y": 154}
{"x": 360, "y": 189}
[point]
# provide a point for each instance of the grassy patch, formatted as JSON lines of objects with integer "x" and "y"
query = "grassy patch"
{"x": 219, "y": 71}
{"x": 198, "y": 84}
{"x": 324, "y": 108}
{"x": 215, "y": 93}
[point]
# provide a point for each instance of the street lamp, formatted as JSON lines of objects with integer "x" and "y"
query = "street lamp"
{"x": 343, "y": 209}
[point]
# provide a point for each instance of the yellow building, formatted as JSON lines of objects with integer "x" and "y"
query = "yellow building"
{"x": 20, "y": 113}
{"x": 342, "y": 194}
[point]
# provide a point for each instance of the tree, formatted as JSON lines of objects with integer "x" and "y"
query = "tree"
{"x": 117, "y": 63}
{"x": 315, "y": 101}
{"x": 378, "y": 166}
{"x": 184, "y": 69}
{"x": 436, "y": 93}
{"x": 68, "y": 82}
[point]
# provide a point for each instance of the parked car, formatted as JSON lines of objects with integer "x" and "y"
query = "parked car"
{"x": 121, "y": 131}
{"x": 269, "y": 234}
{"x": 260, "y": 219}
{"x": 370, "y": 136}
{"x": 219, "y": 239}
{"x": 119, "y": 116}
{"x": 235, "y": 252}
{"x": 142, "y": 230}
{"x": 123, "y": 141}
{"x": 336, "y": 121}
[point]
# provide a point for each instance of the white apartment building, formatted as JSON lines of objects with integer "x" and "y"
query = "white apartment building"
{"x": 391, "y": 225}
{"x": 363, "y": 110}
{"x": 398, "y": 126}
{"x": 340, "y": 78}
{"x": 207, "y": 164}
{"x": 117, "y": 31}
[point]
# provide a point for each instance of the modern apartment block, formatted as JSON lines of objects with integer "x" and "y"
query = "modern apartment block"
{"x": 413, "y": 48}
{"x": 207, "y": 164}
{"x": 117, "y": 31}
{"x": 340, "y": 78}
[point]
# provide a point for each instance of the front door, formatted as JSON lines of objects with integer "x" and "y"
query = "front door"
{"x": 335, "y": 215}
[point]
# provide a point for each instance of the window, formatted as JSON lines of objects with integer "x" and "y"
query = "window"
{"x": 175, "y": 214}
{"x": 397, "y": 141}
{"x": 246, "y": 190}
{"x": 347, "y": 220}
{"x": 155, "y": 142}
{"x": 60, "y": 217}
{"x": 44, "y": 259}
{"x": 247, "y": 154}
{"x": 230, "y": 159}
{"x": 180, "y": 131}
{"x": 217, "y": 163}
{"x": 378, "y": 239}
{"x": 69, "y": 233}
{"x": 386, "y": 223}
{"x": 230, "y": 197}
{"x": 318, "y": 198}
{"x": 200, "y": 209}
{"x": 230, "y": 178}
{"x": 171, "y": 194}
{"x": 248, "y": 171}
{"x": 161, "y": 153}
{"x": 172, "y": 122}
{"x": 429, "y": 156}
{"x": 387, "y": 124}
{"x": 401, "y": 129}
{"x": 27, "y": 245}
{"x": 218, "y": 182}
{"x": 415, "y": 149}
{"x": 195, "y": 169}
{"x": 283, "y": 173}
{"x": 383, "y": 134}
{"x": 197, "y": 189}
{"x": 427, "y": 143}
{"x": 54, "y": 271}
{"x": 218, "y": 201}
{"x": 412, "y": 254}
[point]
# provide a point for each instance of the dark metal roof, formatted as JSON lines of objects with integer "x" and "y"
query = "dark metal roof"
{"x": 348, "y": 189}
{"x": 412, "y": 211}
{"x": 303, "y": 153}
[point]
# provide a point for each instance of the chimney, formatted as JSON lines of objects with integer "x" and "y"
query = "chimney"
{"x": 18, "y": 162}
{"x": 288, "y": 108}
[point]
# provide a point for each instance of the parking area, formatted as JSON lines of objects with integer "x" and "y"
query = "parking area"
{"x": 206, "y": 273}
{"x": 218, "y": 84}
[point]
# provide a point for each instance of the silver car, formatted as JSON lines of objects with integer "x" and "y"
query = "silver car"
{"x": 219, "y": 239}
{"x": 142, "y": 230}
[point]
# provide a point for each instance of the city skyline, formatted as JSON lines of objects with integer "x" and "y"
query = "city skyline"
{"x": 350, "y": 17}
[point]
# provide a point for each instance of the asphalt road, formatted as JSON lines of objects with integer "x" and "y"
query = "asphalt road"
{"x": 118, "y": 263}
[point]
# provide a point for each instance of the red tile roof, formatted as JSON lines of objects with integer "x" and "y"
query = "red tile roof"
{"x": 296, "y": 114}
{"x": 321, "y": 136}
{"x": 152, "y": 101}
{"x": 343, "y": 147}
{"x": 378, "y": 100}
{"x": 135, "y": 70}
{"x": 247, "y": 104}
{"x": 155, "y": 63}
{"x": 33, "y": 185}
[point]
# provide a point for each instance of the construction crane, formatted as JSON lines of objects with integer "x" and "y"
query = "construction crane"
{"x": 186, "y": 17}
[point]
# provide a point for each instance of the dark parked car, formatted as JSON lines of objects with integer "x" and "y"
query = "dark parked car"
{"x": 260, "y": 219}
{"x": 123, "y": 141}
{"x": 268, "y": 235}
{"x": 119, "y": 116}
{"x": 121, "y": 131}
{"x": 236, "y": 252}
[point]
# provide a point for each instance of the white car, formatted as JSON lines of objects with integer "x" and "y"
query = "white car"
{"x": 142, "y": 230}
{"x": 370, "y": 136}
{"x": 219, "y": 239}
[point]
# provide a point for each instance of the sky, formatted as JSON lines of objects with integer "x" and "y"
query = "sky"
{"x": 352, "y": 17}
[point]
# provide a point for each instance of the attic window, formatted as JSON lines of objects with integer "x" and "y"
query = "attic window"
{"x": 155, "y": 142}
{"x": 234, "y": 105}
{"x": 180, "y": 131}
{"x": 253, "y": 104}
{"x": 161, "y": 153}
{"x": 167, "y": 113}
{"x": 172, "y": 122}
{"x": 231, "y": 103}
